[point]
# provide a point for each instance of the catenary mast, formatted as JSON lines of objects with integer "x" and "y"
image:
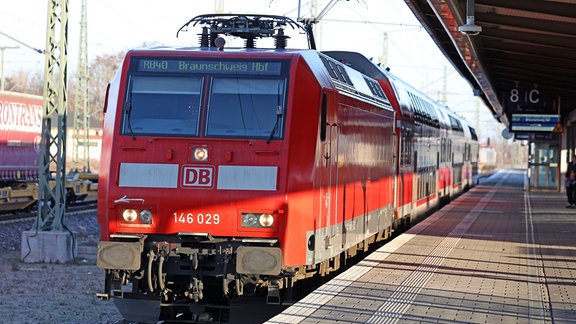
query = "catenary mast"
{"x": 81, "y": 135}
{"x": 52, "y": 198}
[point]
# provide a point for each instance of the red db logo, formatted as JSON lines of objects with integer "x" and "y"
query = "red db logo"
{"x": 197, "y": 176}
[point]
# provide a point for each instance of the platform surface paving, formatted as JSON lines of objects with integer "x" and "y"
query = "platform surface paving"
{"x": 497, "y": 254}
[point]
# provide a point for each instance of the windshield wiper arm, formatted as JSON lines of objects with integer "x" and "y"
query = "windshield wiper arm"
{"x": 279, "y": 113}
{"x": 128, "y": 118}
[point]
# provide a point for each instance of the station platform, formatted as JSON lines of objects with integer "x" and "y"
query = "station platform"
{"x": 496, "y": 254}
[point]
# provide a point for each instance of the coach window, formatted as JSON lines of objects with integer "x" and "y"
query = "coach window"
{"x": 407, "y": 147}
{"x": 162, "y": 106}
{"x": 246, "y": 108}
{"x": 443, "y": 150}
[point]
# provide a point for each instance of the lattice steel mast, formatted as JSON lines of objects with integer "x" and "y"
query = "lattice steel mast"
{"x": 52, "y": 198}
{"x": 81, "y": 135}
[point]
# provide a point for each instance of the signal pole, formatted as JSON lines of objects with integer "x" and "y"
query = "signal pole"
{"x": 50, "y": 240}
{"x": 444, "y": 99}
{"x": 81, "y": 135}
{"x": 219, "y": 6}
{"x": 383, "y": 59}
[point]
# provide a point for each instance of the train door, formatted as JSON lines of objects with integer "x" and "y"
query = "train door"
{"x": 406, "y": 171}
{"x": 328, "y": 240}
{"x": 332, "y": 192}
{"x": 395, "y": 174}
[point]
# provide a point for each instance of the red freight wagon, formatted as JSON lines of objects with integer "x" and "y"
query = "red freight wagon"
{"x": 20, "y": 134}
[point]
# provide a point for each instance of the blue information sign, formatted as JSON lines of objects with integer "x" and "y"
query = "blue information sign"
{"x": 533, "y": 122}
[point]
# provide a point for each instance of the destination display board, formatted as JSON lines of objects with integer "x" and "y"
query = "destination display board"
{"x": 188, "y": 65}
{"x": 533, "y": 122}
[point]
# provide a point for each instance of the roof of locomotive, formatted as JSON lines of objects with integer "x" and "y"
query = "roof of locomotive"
{"x": 254, "y": 27}
{"x": 356, "y": 82}
{"x": 198, "y": 49}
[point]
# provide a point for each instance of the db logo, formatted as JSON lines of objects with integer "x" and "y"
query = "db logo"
{"x": 197, "y": 176}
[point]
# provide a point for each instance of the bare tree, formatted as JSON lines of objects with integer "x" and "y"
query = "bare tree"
{"x": 101, "y": 71}
{"x": 30, "y": 82}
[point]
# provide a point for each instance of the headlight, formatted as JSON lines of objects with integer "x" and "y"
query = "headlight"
{"x": 249, "y": 220}
{"x": 266, "y": 220}
{"x": 136, "y": 217}
{"x": 129, "y": 215}
{"x": 257, "y": 220}
{"x": 200, "y": 154}
{"x": 146, "y": 216}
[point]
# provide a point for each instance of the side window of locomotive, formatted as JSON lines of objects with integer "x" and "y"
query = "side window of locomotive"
{"x": 163, "y": 106}
{"x": 246, "y": 108}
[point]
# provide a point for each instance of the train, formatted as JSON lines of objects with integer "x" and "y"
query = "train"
{"x": 20, "y": 138}
{"x": 487, "y": 160}
{"x": 229, "y": 172}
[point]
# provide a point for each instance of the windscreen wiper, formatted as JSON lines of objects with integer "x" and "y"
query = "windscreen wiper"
{"x": 279, "y": 113}
{"x": 128, "y": 118}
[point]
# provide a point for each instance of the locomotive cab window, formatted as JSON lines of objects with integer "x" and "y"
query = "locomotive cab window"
{"x": 245, "y": 107}
{"x": 195, "y": 97}
{"x": 162, "y": 105}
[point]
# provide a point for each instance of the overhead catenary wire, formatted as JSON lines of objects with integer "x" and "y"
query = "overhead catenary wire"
{"x": 22, "y": 43}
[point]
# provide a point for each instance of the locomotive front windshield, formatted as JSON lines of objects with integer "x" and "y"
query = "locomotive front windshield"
{"x": 205, "y": 98}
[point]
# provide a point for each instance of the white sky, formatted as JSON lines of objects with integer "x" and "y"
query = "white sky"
{"x": 359, "y": 25}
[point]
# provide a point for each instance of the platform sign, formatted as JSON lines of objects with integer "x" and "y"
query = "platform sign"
{"x": 521, "y": 136}
{"x": 533, "y": 122}
{"x": 539, "y": 137}
{"x": 525, "y": 100}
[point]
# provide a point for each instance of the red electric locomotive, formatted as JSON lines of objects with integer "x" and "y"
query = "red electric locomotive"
{"x": 227, "y": 171}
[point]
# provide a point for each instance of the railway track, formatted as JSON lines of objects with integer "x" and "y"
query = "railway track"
{"x": 19, "y": 216}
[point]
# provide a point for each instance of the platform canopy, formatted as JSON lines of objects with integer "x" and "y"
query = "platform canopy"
{"x": 522, "y": 61}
